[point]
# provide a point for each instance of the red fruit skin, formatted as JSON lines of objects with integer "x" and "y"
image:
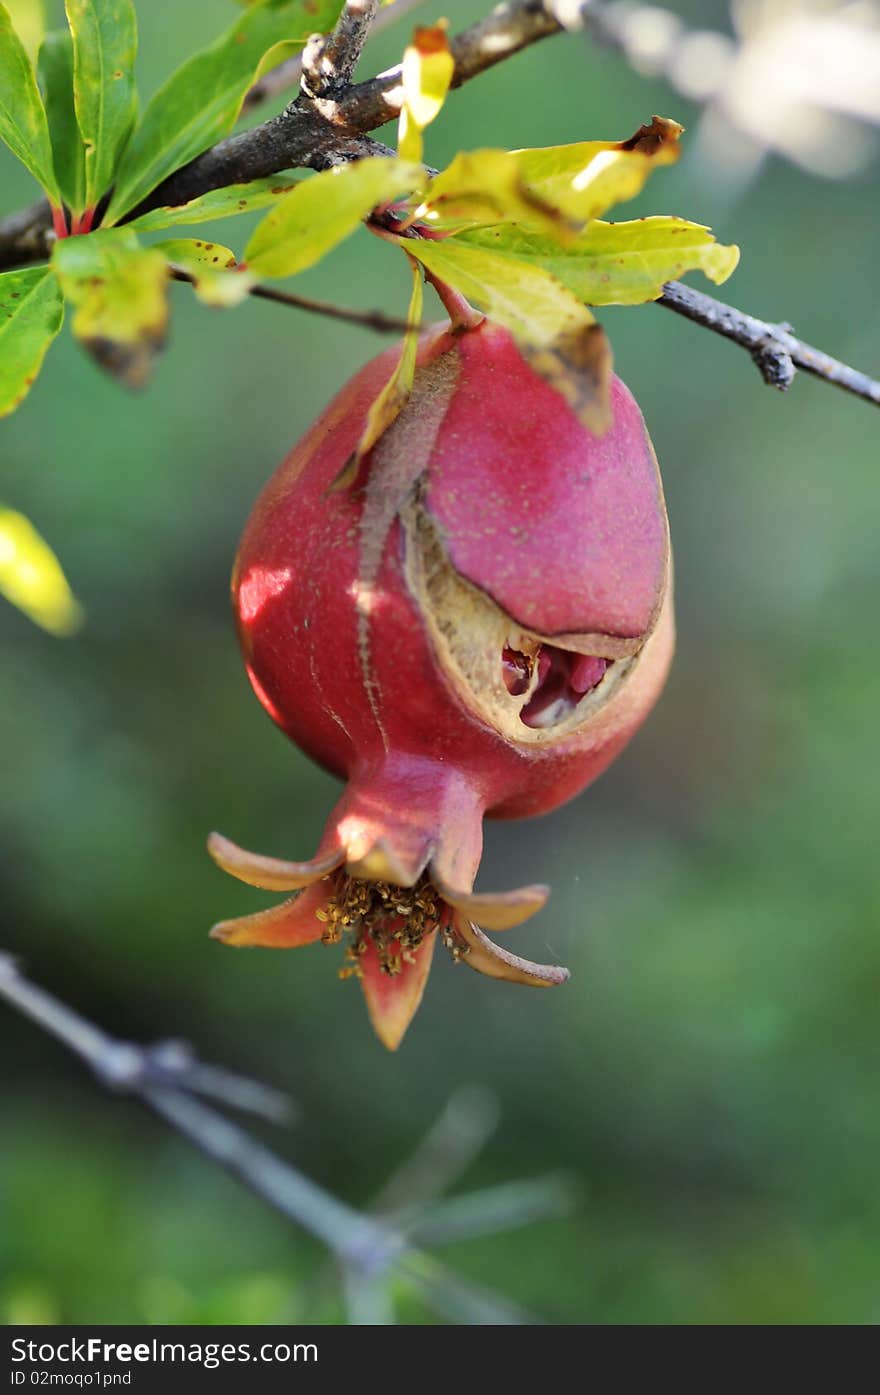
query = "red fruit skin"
{"x": 565, "y": 532}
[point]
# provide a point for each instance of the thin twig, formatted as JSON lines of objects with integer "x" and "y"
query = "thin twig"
{"x": 774, "y": 348}
{"x": 376, "y": 320}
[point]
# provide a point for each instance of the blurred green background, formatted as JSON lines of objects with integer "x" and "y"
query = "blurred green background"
{"x": 711, "y": 1072}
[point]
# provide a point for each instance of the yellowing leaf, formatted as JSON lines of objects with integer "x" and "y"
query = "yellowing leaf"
{"x": 323, "y": 211}
{"x": 615, "y": 263}
{"x": 487, "y": 186}
{"x": 525, "y": 299}
{"x": 213, "y": 268}
{"x": 104, "y": 48}
{"x": 32, "y": 579}
{"x": 31, "y": 312}
{"x": 555, "y": 331}
{"x": 218, "y": 203}
{"x": 23, "y": 124}
{"x": 200, "y": 101}
{"x": 394, "y": 395}
{"x": 120, "y": 291}
{"x": 427, "y": 71}
{"x": 585, "y": 179}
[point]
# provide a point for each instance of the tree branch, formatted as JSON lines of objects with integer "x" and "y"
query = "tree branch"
{"x": 287, "y": 74}
{"x": 329, "y": 60}
{"x": 166, "y": 1078}
{"x": 774, "y": 348}
{"x": 303, "y": 135}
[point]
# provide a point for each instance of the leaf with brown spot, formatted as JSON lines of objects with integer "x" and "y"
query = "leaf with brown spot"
{"x": 120, "y": 291}
{"x": 553, "y": 329}
{"x": 578, "y": 365}
{"x": 649, "y": 139}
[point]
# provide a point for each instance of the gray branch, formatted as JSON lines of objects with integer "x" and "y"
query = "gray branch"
{"x": 774, "y": 348}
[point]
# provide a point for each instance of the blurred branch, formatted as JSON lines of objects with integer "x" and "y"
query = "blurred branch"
{"x": 167, "y": 1079}
{"x": 774, "y": 348}
{"x": 376, "y": 320}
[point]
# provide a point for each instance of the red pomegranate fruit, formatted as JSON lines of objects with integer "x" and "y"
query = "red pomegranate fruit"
{"x": 476, "y": 629}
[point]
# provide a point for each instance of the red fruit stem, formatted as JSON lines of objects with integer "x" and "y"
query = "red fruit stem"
{"x": 461, "y": 313}
{"x": 59, "y": 222}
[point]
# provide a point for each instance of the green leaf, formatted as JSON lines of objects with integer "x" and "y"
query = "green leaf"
{"x": 104, "y": 48}
{"x": 29, "y": 18}
{"x": 23, "y": 124}
{"x": 32, "y": 579}
{"x": 394, "y": 396}
{"x": 218, "y": 203}
{"x": 614, "y": 263}
{"x": 556, "y": 333}
{"x": 31, "y": 313}
{"x": 56, "y": 79}
{"x": 200, "y": 102}
{"x": 323, "y": 211}
{"x": 214, "y": 270}
{"x": 120, "y": 291}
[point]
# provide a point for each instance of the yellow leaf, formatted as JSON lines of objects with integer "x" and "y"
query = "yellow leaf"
{"x": 394, "y": 395}
{"x": 427, "y": 72}
{"x": 586, "y": 178}
{"x": 489, "y": 186}
{"x": 32, "y": 579}
{"x": 614, "y": 263}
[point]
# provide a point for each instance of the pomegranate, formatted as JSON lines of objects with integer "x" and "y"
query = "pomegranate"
{"x": 477, "y": 628}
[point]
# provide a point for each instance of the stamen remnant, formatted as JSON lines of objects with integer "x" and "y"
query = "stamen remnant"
{"x": 395, "y": 918}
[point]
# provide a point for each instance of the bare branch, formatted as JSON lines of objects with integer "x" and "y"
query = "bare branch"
{"x": 774, "y": 347}
{"x": 376, "y": 320}
{"x": 26, "y": 236}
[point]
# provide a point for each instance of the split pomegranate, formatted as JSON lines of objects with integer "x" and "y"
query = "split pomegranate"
{"x": 477, "y": 628}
